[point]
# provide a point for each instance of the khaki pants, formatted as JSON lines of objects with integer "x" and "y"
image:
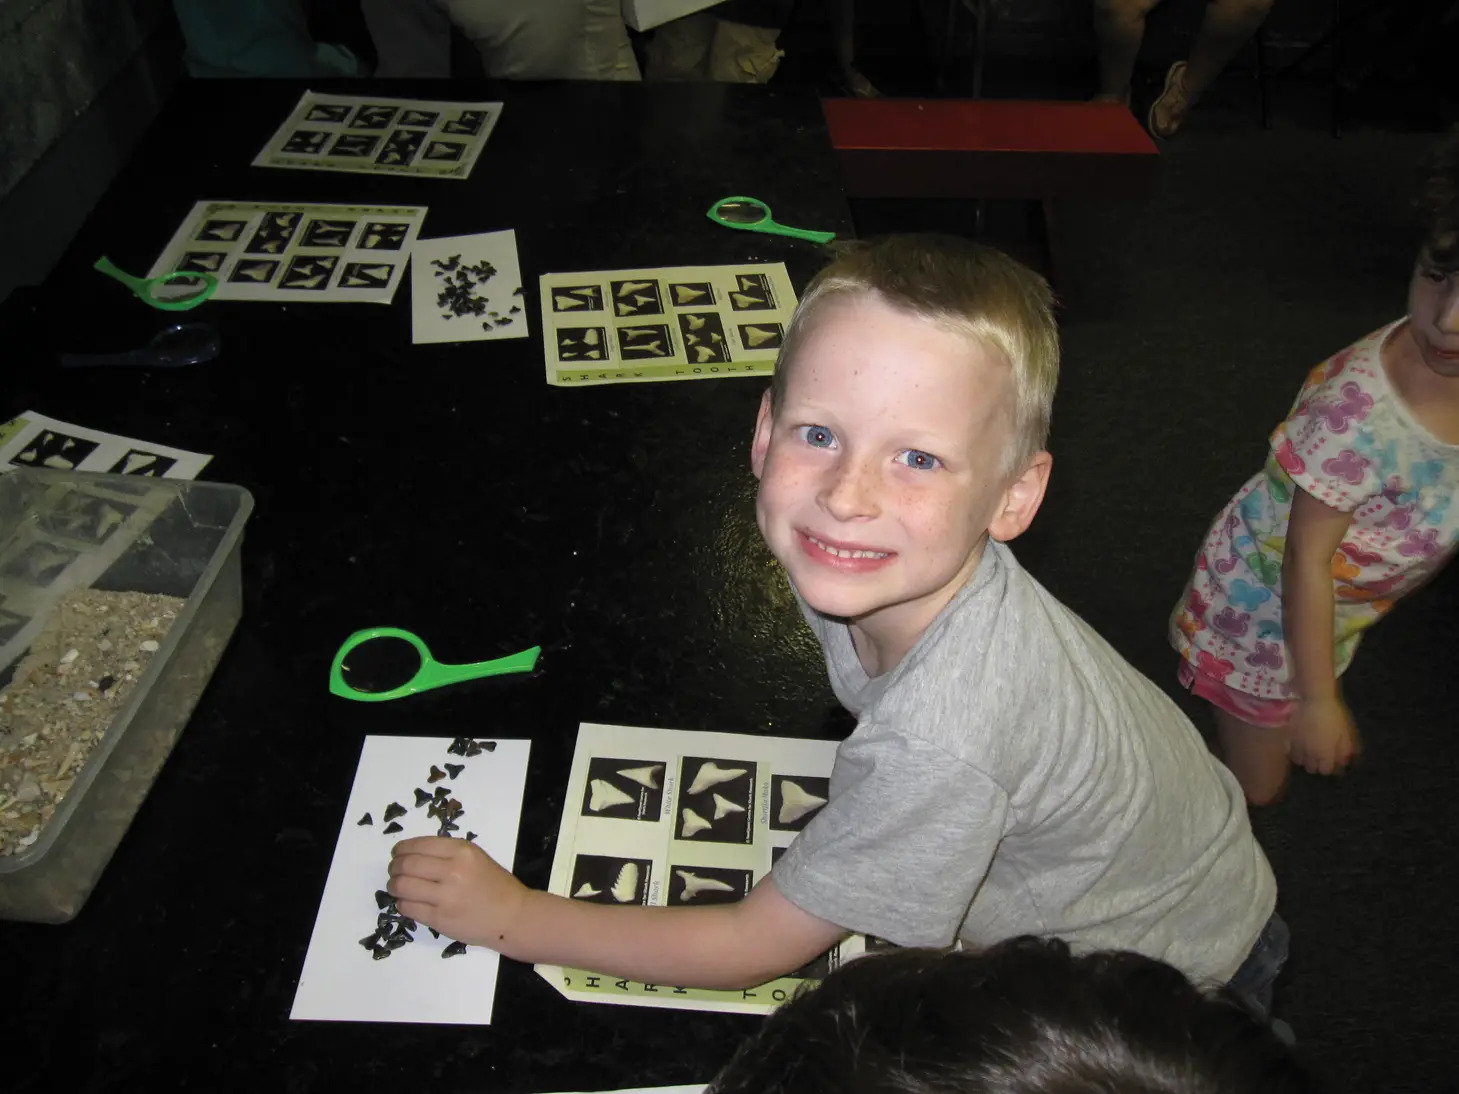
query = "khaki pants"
{"x": 705, "y": 47}
{"x": 535, "y": 40}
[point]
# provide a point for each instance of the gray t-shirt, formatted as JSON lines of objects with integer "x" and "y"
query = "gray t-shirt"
{"x": 1014, "y": 775}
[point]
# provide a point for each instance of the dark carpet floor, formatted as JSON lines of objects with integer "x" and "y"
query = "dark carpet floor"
{"x": 1190, "y": 322}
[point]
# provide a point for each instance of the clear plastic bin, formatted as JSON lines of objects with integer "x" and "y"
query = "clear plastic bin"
{"x": 176, "y": 538}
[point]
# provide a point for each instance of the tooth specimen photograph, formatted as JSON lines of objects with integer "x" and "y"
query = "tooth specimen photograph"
{"x": 697, "y": 292}
{"x": 644, "y": 776}
{"x": 693, "y": 824}
{"x": 694, "y": 885}
{"x": 609, "y": 879}
{"x": 604, "y": 795}
{"x": 625, "y": 888}
{"x": 711, "y": 774}
{"x": 796, "y": 802}
{"x": 723, "y": 807}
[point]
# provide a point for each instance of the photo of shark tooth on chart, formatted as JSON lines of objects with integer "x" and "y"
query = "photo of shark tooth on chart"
{"x": 691, "y": 885}
{"x": 716, "y": 800}
{"x": 607, "y": 879}
{"x": 795, "y": 799}
{"x": 624, "y": 788}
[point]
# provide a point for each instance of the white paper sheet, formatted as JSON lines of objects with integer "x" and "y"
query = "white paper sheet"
{"x": 34, "y": 440}
{"x": 366, "y": 135}
{"x": 466, "y": 289}
{"x": 341, "y": 980}
{"x": 296, "y": 253}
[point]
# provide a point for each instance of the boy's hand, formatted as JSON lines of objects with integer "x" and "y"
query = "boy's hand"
{"x": 1324, "y": 738}
{"x": 455, "y": 887}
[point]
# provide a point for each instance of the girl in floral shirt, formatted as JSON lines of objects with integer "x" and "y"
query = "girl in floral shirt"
{"x": 1355, "y": 508}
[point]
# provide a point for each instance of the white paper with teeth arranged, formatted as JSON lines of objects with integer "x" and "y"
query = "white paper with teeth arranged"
{"x": 396, "y": 784}
{"x": 682, "y": 819}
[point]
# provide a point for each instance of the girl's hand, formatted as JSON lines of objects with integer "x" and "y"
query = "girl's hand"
{"x": 1323, "y": 737}
{"x": 455, "y": 887}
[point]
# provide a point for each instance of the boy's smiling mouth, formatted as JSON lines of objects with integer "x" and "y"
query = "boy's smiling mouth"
{"x": 840, "y": 555}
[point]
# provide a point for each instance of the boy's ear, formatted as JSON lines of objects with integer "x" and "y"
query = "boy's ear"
{"x": 1022, "y": 500}
{"x": 764, "y": 423}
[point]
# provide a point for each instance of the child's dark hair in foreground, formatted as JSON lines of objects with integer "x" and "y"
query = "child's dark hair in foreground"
{"x": 1023, "y": 1017}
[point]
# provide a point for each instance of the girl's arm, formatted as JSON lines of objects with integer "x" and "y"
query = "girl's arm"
{"x": 1323, "y": 737}
{"x": 455, "y": 887}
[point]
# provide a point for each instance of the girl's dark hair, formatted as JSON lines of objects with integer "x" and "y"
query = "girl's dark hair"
{"x": 1024, "y": 1017}
{"x": 1438, "y": 203}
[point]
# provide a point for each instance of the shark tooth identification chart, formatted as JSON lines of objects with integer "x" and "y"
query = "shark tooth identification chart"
{"x": 424, "y": 138}
{"x": 300, "y": 253}
{"x": 670, "y": 323}
{"x": 678, "y": 818}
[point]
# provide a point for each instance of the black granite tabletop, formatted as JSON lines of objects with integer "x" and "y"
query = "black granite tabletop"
{"x": 442, "y": 488}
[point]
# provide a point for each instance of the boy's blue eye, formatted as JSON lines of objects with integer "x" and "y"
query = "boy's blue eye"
{"x": 817, "y": 436}
{"x": 919, "y": 460}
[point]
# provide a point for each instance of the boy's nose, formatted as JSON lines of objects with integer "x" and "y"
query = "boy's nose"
{"x": 849, "y": 491}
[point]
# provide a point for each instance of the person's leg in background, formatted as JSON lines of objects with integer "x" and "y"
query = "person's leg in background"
{"x": 257, "y": 38}
{"x": 1228, "y": 25}
{"x": 1119, "y": 28}
{"x": 679, "y": 49}
{"x": 548, "y": 39}
{"x": 745, "y": 50}
{"x": 733, "y": 42}
{"x": 412, "y": 37}
{"x": 842, "y": 15}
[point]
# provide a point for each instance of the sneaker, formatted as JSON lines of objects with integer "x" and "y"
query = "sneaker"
{"x": 1168, "y": 110}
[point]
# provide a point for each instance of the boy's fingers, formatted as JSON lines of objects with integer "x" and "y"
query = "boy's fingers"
{"x": 415, "y": 909}
{"x": 426, "y": 867}
{"x": 424, "y": 845}
{"x": 412, "y": 896}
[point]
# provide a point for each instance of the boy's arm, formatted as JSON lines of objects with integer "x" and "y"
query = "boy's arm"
{"x": 455, "y": 887}
{"x": 1323, "y": 736}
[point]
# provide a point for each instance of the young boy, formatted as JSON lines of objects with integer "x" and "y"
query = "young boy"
{"x": 1026, "y": 1016}
{"x": 1009, "y": 772}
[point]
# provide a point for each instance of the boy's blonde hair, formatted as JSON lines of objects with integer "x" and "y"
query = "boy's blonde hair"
{"x": 962, "y": 287}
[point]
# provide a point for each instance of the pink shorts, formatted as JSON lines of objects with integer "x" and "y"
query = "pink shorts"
{"x": 1267, "y": 713}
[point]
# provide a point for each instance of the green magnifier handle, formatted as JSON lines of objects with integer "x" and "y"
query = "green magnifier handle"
{"x": 143, "y": 287}
{"x": 747, "y": 214}
{"x": 430, "y": 674}
{"x": 775, "y": 228}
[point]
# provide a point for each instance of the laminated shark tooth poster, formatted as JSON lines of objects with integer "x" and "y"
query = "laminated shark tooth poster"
{"x": 669, "y": 323}
{"x": 365, "y": 135}
{"x": 682, "y": 819}
{"x": 298, "y": 253}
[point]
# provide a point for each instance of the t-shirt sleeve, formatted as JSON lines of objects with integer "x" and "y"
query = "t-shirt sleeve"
{"x": 902, "y": 845}
{"x": 1325, "y": 444}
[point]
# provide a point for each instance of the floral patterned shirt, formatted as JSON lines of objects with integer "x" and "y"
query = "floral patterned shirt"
{"x": 1351, "y": 443}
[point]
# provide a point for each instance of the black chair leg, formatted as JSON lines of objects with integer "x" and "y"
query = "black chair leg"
{"x": 1263, "y": 84}
{"x": 980, "y": 49}
{"x": 1337, "y": 58}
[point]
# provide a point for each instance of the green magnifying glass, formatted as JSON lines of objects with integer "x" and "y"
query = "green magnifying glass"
{"x": 177, "y": 291}
{"x": 382, "y": 663}
{"x": 753, "y": 215}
